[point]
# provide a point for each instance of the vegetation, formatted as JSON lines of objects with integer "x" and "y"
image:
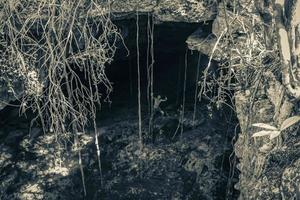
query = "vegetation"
{"x": 59, "y": 50}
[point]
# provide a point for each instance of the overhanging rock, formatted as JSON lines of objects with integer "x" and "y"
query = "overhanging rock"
{"x": 191, "y": 11}
{"x": 204, "y": 44}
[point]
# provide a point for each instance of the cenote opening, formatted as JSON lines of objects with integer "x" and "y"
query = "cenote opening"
{"x": 189, "y": 155}
{"x": 170, "y": 57}
{"x": 196, "y": 164}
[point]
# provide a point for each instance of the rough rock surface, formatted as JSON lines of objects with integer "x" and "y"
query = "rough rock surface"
{"x": 14, "y": 86}
{"x": 190, "y": 11}
{"x": 195, "y": 167}
{"x": 269, "y": 168}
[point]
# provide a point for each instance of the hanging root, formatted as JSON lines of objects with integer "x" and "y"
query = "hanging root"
{"x": 184, "y": 91}
{"x": 147, "y": 64}
{"x": 139, "y": 82}
{"x": 59, "y": 51}
{"x": 67, "y": 46}
{"x": 82, "y": 172}
{"x": 97, "y": 134}
{"x": 196, "y": 89}
{"x": 150, "y": 76}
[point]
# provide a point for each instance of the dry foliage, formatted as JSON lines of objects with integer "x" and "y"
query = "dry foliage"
{"x": 59, "y": 50}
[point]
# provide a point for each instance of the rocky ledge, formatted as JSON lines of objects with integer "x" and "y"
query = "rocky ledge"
{"x": 191, "y": 11}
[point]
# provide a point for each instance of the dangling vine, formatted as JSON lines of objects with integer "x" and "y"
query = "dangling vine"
{"x": 150, "y": 92}
{"x": 59, "y": 50}
{"x": 183, "y": 93}
{"x": 196, "y": 88}
{"x": 139, "y": 81}
{"x": 147, "y": 63}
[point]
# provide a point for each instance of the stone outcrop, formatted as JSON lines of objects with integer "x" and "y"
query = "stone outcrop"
{"x": 269, "y": 168}
{"x": 191, "y": 11}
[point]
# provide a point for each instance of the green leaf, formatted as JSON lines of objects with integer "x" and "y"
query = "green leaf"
{"x": 262, "y": 133}
{"x": 266, "y": 126}
{"x": 274, "y": 134}
{"x": 289, "y": 122}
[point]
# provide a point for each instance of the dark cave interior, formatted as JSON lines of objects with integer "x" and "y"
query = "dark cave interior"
{"x": 169, "y": 56}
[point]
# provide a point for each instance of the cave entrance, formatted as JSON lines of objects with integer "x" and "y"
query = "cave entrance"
{"x": 170, "y": 56}
{"x": 199, "y": 164}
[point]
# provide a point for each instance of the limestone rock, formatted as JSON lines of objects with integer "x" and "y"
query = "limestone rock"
{"x": 203, "y": 43}
{"x": 167, "y": 10}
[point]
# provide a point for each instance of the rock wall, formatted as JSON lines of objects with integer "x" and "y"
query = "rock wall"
{"x": 269, "y": 169}
{"x": 167, "y": 10}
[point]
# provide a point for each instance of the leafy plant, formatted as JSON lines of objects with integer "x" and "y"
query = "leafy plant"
{"x": 272, "y": 131}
